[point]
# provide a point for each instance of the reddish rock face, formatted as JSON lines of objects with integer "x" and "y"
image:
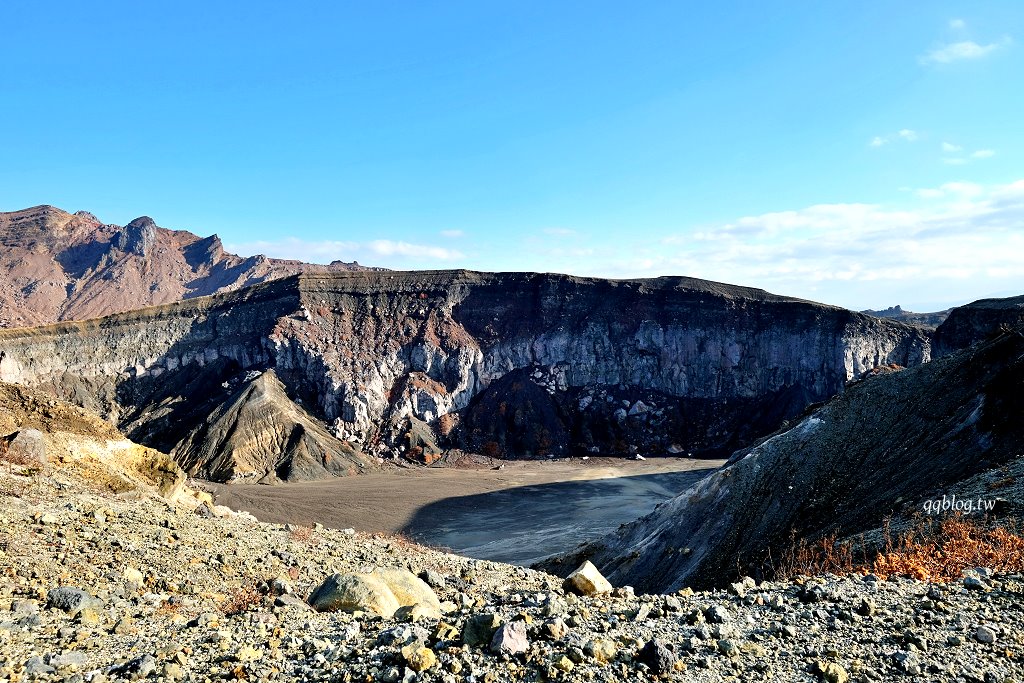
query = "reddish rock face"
{"x": 60, "y": 266}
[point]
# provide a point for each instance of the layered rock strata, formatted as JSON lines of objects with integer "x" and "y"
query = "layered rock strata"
{"x": 511, "y": 364}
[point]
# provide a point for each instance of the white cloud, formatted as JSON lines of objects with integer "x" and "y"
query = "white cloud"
{"x": 966, "y": 49}
{"x": 905, "y": 134}
{"x": 983, "y": 154}
{"x": 963, "y": 189}
{"x": 392, "y": 248}
{"x": 957, "y": 24}
{"x": 452, "y": 233}
{"x": 950, "y": 147}
{"x": 961, "y": 245}
{"x": 381, "y": 252}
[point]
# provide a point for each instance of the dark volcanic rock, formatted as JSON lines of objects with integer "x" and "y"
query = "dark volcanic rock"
{"x": 975, "y": 322}
{"x": 518, "y": 364}
{"x": 138, "y": 237}
{"x": 882, "y": 447}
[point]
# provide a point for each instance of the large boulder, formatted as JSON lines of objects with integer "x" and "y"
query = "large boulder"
{"x": 382, "y": 592}
{"x": 26, "y": 446}
{"x": 587, "y": 580}
{"x": 354, "y": 593}
{"x": 410, "y": 590}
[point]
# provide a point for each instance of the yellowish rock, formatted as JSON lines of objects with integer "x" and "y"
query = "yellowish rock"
{"x": 587, "y": 580}
{"x": 418, "y": 658}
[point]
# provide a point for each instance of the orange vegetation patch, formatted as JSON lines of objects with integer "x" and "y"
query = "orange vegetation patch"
{"x": 933, "y": 550}
{"x": 941, "y": 552}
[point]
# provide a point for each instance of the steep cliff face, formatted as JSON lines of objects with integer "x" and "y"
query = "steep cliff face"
{"x": 60, "y": 266}
{"x": 514, "y": 364}
{"x": 879, "y": 449}
{"x": 977, "y": 321}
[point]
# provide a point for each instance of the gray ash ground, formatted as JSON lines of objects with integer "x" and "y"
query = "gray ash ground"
{"x": 148, "y": 584}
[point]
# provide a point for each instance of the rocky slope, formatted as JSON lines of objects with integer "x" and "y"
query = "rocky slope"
{"x": 884, "y": 447}
{"x": 95, "y": 587}
{"x": 510, "y": 364}
{"x": 60, "y": 266}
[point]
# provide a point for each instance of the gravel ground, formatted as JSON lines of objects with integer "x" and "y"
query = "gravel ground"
{"x": 94, "y": 588}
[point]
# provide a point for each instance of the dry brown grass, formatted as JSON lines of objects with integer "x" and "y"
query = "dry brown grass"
{"x": 824, "y": 556}
{"x": 246, "y": 597}
{"x": 941, "y": 551}
{"x": 406, "y": 544}
{"x": 931, "y": 550}
{"x": 303, "y": 534}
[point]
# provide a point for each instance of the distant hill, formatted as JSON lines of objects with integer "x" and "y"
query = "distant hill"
{"x": 931, "y": 320}
{"x": 56, "y": 266}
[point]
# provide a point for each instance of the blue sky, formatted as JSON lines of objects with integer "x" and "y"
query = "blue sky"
{"x": 864, "y": 154}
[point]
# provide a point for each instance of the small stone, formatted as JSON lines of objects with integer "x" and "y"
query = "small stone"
{"x": 729, "y": 648}
{"x": 831, "y": 672}
{"x": 23, "y": 607}
{"x": 658, "y": 656}
{"x": 564, "y": 664}
{"x": 88, "y": 616}
{"x": 510, "y": 639}
{"x": 907, "y": 662}
{"x": 601, "y": 650}
{"x": 69, "y": 660}
{"x": 983, "y": 634}
{"x": 865, "y": 607}
{"x": 915, "y": 640}
{"x": 445, "y": 632}
{"x": 280, "y": 586}
{"x": 140, "y": 667}
{"x": 974, "y": 583}
{"x": 479, "y": 629}
{"x": 123, "y": 626}
{"x": 555, "y": 629}
{"x": 412, "y": 613}
{"x": 248, "y": 653}
{"x": 433, "y": 579}
{"x": 133, "y": 576}
{"x": 69, "y": 599}
{"x": 716, "y": 614}
{"x": 418, "y": 658}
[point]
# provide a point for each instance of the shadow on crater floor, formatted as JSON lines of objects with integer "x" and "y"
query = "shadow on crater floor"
{"x": 523, "y": 524}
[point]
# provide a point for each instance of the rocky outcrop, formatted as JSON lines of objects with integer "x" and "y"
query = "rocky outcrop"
{"x": 929, "y": 320}
{"x": 515, "y": 364}
{"x": 39, "y": 434}
{"x": 879, "y": 449}
{"x": 60, "y": 266}
{"x": 975, "y": 322}
{"x": 138, "y": 237}
{"x": 261, "y": 434}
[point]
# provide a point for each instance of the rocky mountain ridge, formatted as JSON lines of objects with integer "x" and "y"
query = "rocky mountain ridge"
{"x": 55, "y": 265}
{"x": 513, "y": 364}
